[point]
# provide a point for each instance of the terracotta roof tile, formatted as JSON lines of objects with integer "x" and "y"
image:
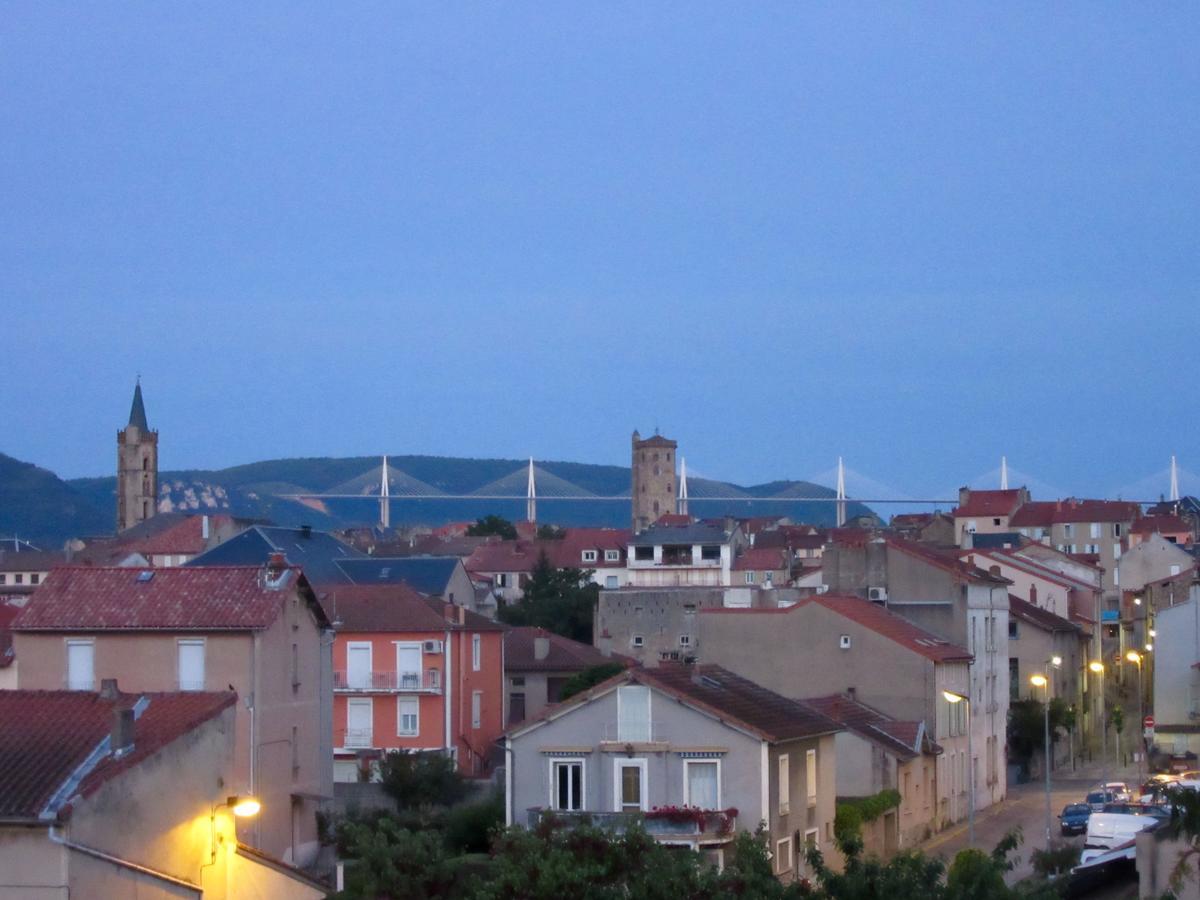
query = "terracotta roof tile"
{"x": 47, "y": 735}
{"x": 371, "y": 608}
{"x": 564, "y": 655}
{"x": 983, "y": 504}
{"x": 897, "y": 738}
{"x": 133, "y": 599}
{"x": 1043, "y": 618}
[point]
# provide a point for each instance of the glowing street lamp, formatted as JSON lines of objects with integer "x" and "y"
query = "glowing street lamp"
{"x": 1043, "y": 682}
{"x": 1134, "y": 657}
{"x": 243, "y": 807}
{"x": 953, "y": 697}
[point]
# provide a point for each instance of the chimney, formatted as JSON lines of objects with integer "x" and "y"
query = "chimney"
{"x": 109, "y": 689}
{"x": 852, "y": 692}
{"x": 204, "y": 527}
{"x": 306, "y": 532}
{"x": 276, "y": 564}
{"x": 121, "y": 739}
{"x": 541, "y": 647}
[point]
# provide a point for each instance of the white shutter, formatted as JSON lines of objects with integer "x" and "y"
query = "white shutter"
{"x": 633, "y": 713}
{"x": 81, "y": 666}
{"x": 358, "y": 665}
{"x": 191, "y": 665}
{"x": 359, "y": 723}
{"x": 408, "y": 665}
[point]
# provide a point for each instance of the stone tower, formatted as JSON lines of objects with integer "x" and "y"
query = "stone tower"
{"x": 653, "y": 488}
{"x": 137, "y": 467}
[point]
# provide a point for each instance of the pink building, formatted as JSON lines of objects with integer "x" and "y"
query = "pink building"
{"x": 411, "y": 673}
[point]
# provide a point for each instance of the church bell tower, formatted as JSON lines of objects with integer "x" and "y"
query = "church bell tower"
{"x": 137, "y": 467}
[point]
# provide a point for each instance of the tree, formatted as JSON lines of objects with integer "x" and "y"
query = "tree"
{"x": 421, "y": 779}
{"x": 1026, "y": 726}
{"x": 559, "y": 600}
{"x": 551, "y": 533}
{"x": 493, "y": 525}
{"x": 390, "y": 861}
{"x": 589, "y": 677}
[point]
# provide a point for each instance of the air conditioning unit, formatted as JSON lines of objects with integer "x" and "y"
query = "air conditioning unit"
{"x": 877, "y": 594}
{"x": 432, "y": 647}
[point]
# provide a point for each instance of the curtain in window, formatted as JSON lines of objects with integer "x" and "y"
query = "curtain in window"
{"x": 702, "y": 785}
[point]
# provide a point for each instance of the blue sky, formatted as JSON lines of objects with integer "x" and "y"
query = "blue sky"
{"x": 918, "y": 236}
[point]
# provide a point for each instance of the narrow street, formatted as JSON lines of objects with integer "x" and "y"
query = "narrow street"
{"x": 1024, "y": 808}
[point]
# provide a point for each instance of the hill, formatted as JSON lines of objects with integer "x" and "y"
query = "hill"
{"x": 275, "y": 489}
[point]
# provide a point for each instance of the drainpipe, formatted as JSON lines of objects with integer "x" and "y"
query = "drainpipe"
{"x": 252, "y": 703}
{"x": 447, "y": 681}
{"x": 508, "y": 781}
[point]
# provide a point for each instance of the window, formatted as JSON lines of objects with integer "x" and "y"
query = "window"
{"x": 612, "y": 555}
{"x": 1014, "y": 678}
{"x": 611, "y": 582}
{"x": 554, "y": 688}
{"x": 1094, "y": 530}
{"x": 35, "y": 577}
{"x": 643, "y": 554}
{"x": 360, "y": 717}
{"x": 501, "y": 579}
{"x": 295, "y": 751}
{"x": 710, "y": 552}
{"x": 1091, "y": 548}
{"x": 995, "y": 521}
{"x": 81, "y": 665}
{"x": 810, "y": 777}
{"x": 358, "y": 664}
{"x": 1013, "y": 634}
{"x": 1116, "y": 529}
{"x": 408, "y": 666}
{"x": 749, "y": 578}
{"x": 476, "y": 708}
{"x": 811, "y": 839}
{"x": 517, "y": 681}
{"x": 633, "y": 713}
{"x": 785, "y": 784}
{"x": 638, "y": 641}
{"x": 589, "y": 555}
{"x": 566, "y": 784}
{"x": 3, "y": 578}
{"x": 685, "y": 640}
{"x": 702, "y": 783}
{"x": 1069, "y": 530}
{"x": 1117, "y": 550}
{"x": 630, "y": 785}
{"x": 516, "y": 708}
{"x": 408, "y": 717}
{"x": 295, "y": 667}
{"x": 1174, "y": 569}
{"x": 476, "y": 652}
{"x": 783, "y": 856}
{"x": 191, "y": 665}
{"x": 19, "y": 578}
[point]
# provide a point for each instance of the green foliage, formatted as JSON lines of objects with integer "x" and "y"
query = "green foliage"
{"x": 1057, "y": 859}
{"x": 421, "y": 779}
{"x": 589, "y": 677}
{"x": 390, "y": 861}
{"x": 493, "y": 525}
{"x": 1026, "y": 726}
{"x": 551, "y": 533}
{"x": 852, "y": 814}
{"x": 1116, "y": 718}
{"x": 469, "y": 828}
{"x": 559, "y": 600}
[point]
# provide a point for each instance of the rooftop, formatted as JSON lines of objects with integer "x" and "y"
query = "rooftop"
{"x": 901, "y": 739}
{"x": 426, "y": 574}
{"x": 49, "y": 738}
{"x": 398, "y": 608}
{"x": 565, "y": 655}
{"x": 695, "y": 533}
{"x": 1035, "y": 615}
{"x": 208, "y": 598}
{"x": 984, "y": 504}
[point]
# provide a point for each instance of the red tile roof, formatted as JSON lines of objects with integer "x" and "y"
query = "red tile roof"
{"x": 1043, "y": 618}
{"x": 720, "y": 693}
{"x": 1163, "y": 524}
{"x": 1055, "y": 512}
{"x": 898, "y": 738}
{"x": 372, "y": 608}
{"x": 48, "y": 736}
{"x": 870, "y": 615}
{"x": 185, "y": 537}
{"x": 206, "y": 598}
{"x": 983, "y": 504}
{"x": 504, "y": 556}
{"x": 945, "y": 559}
{"x": 762, "y": 559}
{"x": 565, "y": 655}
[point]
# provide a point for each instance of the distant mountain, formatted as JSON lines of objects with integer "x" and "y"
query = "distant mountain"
{"x": 419, "y": 485}
{"x": 37, "y": 505}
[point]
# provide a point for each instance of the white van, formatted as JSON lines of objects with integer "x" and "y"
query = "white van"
{"x": 1108, "y": 830}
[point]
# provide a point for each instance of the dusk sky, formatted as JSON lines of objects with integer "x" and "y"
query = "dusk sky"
{"x": 918, "y": 237}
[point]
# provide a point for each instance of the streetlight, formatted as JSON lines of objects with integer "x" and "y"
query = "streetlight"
{"x": 1097, "y": 668}
{"x": 1134, "y": 657}
{"x": 955, "y": 697}
{"x": 242, "y": 807}
{"x": 1043, "y": 682}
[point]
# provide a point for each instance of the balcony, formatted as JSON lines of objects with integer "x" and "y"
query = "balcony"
{"x": 358, "y": 738}
{"x": 427, "y": 682}
{"x": 671, "y": 824}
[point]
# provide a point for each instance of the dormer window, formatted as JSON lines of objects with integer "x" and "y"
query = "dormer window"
{"x": 612, "y": 555}
{"x": 589, "y": 555}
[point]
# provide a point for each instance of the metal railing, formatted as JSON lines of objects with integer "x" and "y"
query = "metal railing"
{"x": 710, "y": 822}
{"x": 358, "y": 738}
{"x": 429, "y": 680}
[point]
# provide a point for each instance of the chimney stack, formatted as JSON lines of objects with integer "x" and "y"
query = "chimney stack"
{"x": 122, "y": 731}
{"x": 276, "y": 564}
{"x": 109, "y": 689}
{"x": 306, "y": 532}
{"x": 541, "y": 647}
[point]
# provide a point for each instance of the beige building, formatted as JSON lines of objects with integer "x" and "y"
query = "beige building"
{"x": 258, "y": 631}
{"x": 840, "y": 644}
{"x": 126, "y": 796}
{"x": 985, "y": 512}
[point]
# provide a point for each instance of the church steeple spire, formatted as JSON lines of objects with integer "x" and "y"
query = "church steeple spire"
{"x": 137, "y": 412}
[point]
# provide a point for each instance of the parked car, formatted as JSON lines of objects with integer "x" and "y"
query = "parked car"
{"x": 1107, "y": 830}
{"x": 1074, "y": 818}
{"x": 1097, "y": 798}
{"x": 1119, "y": 789}
{"x": 1138, "y": 809}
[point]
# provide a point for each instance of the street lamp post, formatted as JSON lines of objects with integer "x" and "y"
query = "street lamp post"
{"x": 1097, "y": 668}
{"x": 1043, "y": 682}
{"x": 1134, "y": 657}
{"x": 955, "y": 697}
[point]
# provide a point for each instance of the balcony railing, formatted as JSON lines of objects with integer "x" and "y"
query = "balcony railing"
{"x": 661, "y": 823}
{"x": 428, "y": 681}
{"x": 358, "y": 738}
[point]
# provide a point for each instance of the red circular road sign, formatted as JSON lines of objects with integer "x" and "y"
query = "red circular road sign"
{"x": 1148, "y": 722}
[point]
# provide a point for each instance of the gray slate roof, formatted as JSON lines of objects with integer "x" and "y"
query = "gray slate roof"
{"x": 316, "y": 552}
{"x": 428, "y": 575}
{"x": 137, "y": 412}
{"x": 696, "y": 533}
